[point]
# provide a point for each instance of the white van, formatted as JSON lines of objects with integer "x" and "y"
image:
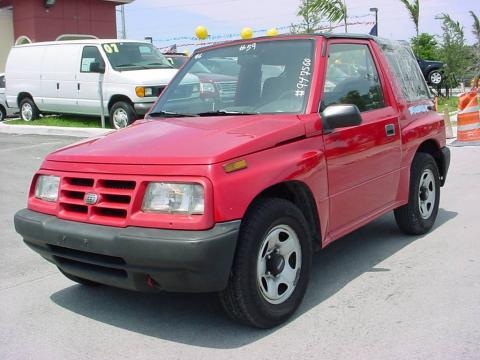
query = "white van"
{"x": 63, "y": 77}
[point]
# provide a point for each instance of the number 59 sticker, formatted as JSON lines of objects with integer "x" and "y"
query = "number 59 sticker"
{"x": 110, "y": 48}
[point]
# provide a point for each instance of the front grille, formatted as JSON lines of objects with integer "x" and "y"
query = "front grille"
{"x": 228, "y": 88}
{"x": 114, "y": 198}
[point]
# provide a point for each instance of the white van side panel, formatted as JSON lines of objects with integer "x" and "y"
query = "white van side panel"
{"x": 59, "y": 72}
{"x": 23, "y": 72}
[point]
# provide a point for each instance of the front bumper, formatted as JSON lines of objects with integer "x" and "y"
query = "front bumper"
{"x": 142, "y": 108}
{"x": 129, "y": 258}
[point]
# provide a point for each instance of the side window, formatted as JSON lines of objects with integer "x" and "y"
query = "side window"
{"x": 2, "y": 81}
{"x": 352, "y": 78}
{"x": 90, "y": 55}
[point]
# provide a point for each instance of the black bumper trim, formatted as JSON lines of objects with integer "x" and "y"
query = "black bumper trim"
{"x": 445, "y": 164}
{"x": 178, "y": 260}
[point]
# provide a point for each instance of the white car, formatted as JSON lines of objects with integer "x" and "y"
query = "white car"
{"x": 4, "y": 109}
{"x": 63, "y": 77}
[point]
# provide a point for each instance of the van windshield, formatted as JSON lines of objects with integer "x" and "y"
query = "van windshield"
{"x": 124, "y": 56}
{"x": 271, "y": 76}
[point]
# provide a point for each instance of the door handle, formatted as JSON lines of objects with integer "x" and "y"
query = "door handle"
{"x": 390, "y": 130}
{"x": 58, "y": 86}
{"x": 78, "y": 86}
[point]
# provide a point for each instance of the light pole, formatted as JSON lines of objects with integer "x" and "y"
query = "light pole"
{"x": 375, "y": 10}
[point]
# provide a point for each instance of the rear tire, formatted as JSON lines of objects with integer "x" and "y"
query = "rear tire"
{"x": 435, "y": 77}
{"x": 79, "y": 280}
{"x": 122, "y": 114}
{"x": 264, "y": 293}
{"x": 418, "y": 216}
{"x": 28, "y": 110}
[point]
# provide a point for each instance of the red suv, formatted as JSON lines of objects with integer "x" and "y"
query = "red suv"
{"x": 325, "y": 133}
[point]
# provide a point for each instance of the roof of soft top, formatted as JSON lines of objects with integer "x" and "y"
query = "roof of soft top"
{"x": 308, "y": 36}
{"x": 82, "y": 41}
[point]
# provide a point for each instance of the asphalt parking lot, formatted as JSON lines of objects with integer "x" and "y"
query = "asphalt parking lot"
{"x": 375, "y": 294}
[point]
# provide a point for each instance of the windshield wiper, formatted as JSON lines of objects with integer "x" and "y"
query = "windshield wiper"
{"x": 168, "y": 114}
{"x": 132, "y": 65}
{"x": 225, "y": 112}
{"x": 163, "y": 65}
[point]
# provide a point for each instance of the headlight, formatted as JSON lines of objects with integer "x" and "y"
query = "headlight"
{"x": 207, "y": 88}
{"x": 46, "y": 187}
{"x": 179, "y": 198}
{"x": 143, "y": 91}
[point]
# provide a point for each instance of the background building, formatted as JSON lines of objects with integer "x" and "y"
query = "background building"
{"x": 24, "y": 21}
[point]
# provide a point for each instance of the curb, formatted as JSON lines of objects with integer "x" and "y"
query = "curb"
{"x": 52, "y": 130}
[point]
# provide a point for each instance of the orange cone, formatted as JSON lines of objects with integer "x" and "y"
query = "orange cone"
{"x": 468, "y": 120}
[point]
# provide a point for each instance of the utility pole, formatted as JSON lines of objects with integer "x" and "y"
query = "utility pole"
{"x": 124, "y": 27}
{"x": 375, "y": 10}
{"x": 345, "y": 14}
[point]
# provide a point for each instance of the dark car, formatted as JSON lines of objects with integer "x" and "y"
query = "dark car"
{"x": 432, "y": 71}
{"x": 176, "y": 59}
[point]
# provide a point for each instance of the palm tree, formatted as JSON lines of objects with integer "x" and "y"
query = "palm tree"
{"x": 476, "y": 27}
{"x": 332, "y": 10}
{"x": 476, "y": 48}
{"x": 414, "y": 11}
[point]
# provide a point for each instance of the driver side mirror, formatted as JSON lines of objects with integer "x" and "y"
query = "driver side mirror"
{"x": 341, "y": 116}
{"x": 97, "y": 67}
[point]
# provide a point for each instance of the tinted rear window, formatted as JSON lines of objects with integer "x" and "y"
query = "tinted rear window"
{"x": 405, "y": 68}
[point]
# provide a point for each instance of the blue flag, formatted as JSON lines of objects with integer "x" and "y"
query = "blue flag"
{"x": 374, "y": 30}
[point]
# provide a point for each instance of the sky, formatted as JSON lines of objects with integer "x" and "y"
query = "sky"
{"x": 174, "y": 21}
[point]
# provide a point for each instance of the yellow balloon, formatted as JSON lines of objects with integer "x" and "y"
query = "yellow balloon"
{"x": 272, "y": 32}
{"x": 201, "y": 32}
{"x": 246, "y": 33}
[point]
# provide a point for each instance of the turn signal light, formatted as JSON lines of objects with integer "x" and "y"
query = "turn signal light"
{"x": 235, "y": 166}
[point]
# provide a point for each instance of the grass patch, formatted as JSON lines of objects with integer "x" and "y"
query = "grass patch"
{"x": 73, "y": 121}
{"x": 447, "y": 103}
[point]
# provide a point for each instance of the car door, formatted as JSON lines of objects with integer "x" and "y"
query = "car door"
{"x": 58, "y": 80}
{"x": 363, "y": 161}
{"x": 88, "y": 97}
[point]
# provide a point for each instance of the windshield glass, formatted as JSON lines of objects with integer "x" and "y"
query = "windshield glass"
{"x": 269, "y": 77}
{"x": 125, "y": 56}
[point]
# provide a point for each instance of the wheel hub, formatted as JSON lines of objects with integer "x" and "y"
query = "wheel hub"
{"x": 423, "y": 193}
{"x": 275, "y": 264}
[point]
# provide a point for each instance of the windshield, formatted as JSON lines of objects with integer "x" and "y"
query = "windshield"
{"x": 270, "y": 77}
{"x": 125, "y": 56}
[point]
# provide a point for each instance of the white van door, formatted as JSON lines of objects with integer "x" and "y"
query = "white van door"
{"x": 87, "y": 81}
{"x": 59, "y": 85}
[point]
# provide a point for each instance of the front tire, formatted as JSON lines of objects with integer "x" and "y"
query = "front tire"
{"x": 3, "y": 113}
{"x": 418, "y": 216}
{"x": 271, "y": 267}
{"x": 28, "y": 110}
{"x": 122, "y": 114}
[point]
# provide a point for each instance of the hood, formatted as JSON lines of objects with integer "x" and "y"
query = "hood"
{"x": 148, "y": 76}
{"x": 181, "y": 141}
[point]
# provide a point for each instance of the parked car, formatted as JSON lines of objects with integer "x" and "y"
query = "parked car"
{"x": 177, "y": 60}
{"x": 63, "y": 77}
{"x": 4, "y": 109}
{"x": 234, "y": 199}
{"x": 432, "y": 71}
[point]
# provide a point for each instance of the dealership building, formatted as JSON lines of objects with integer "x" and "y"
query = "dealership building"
{"x": 26, "y": 21}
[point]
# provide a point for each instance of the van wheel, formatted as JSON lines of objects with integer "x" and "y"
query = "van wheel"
{"x": 28, "y": 110}
{"x": 122, "y": 114}
{"x": 435, "y": 77}
{"x": 79, "y": 280}
{"x": 271, "y": 267}
{"x": 3, "y": 113}
{"x": 418, "y": 216}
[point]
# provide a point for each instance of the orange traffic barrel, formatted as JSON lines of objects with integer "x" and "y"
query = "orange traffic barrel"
{"x": 468, "y": 120}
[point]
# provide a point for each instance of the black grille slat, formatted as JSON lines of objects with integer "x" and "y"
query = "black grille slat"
{"x": 81, "y": 266}
{"x": 79, "y": 255}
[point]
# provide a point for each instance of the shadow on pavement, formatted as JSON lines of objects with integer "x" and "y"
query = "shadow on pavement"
{"x": 197, "y": 319}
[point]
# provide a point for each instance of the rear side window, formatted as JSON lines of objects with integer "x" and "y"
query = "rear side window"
{"x": 405, "y": 69}
{"x": 2, "y": 81}
{"x": 352, "y": 78}
{"x": 90, "y": 55}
